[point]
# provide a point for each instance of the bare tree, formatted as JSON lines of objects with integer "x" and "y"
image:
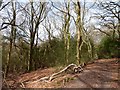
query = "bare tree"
{"x": 78, "y": 24}
{"x": 66, "y": 26}
{"x": 12, "y": 36}
{"x": 85, "y": 33}
{"x": 35, "y": 19}
{"x": 33, "y": 14}
{"x": 49, "y": 28}
{"x": 109, "y": 17}
{"x": 66, "y": 29}
{"x": 82, "y": 35}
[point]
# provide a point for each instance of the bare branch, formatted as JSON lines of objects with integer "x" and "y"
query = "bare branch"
{"x": 4, "y": 6}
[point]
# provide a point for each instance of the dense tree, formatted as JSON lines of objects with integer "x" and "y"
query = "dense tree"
{"x": 34, "y": 38}
{"x": 109, "y": 24}
{"x": 108, "y": 48}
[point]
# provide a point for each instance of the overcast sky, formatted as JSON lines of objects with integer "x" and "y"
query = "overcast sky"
{"x": 61, "y": 0}
{"x": 89, "y": 4}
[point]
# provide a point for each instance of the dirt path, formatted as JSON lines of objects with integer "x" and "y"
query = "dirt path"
{"x": 101, "y": 74}
{"x": 104, "y": 73}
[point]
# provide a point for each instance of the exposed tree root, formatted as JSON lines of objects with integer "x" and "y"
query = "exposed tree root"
{"x": 71, "y": 69}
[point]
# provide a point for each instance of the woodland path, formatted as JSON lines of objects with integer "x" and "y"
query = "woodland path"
{"x": 103, "y": 73}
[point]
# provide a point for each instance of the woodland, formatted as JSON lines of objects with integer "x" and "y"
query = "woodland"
{"x": 56, "y": 37}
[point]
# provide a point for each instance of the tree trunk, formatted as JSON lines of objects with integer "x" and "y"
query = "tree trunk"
{"x": 66, "y": 32}
{"x": 12, "y": 38}
{"x": 8, "y": 59}
{"x": 79, "y": 31}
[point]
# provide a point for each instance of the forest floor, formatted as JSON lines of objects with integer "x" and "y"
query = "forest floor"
{"x": 103, "y": 73}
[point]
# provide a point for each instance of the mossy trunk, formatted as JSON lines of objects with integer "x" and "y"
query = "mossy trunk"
{"x": 79, "y": 31}
{"x": 66, "y": 32}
